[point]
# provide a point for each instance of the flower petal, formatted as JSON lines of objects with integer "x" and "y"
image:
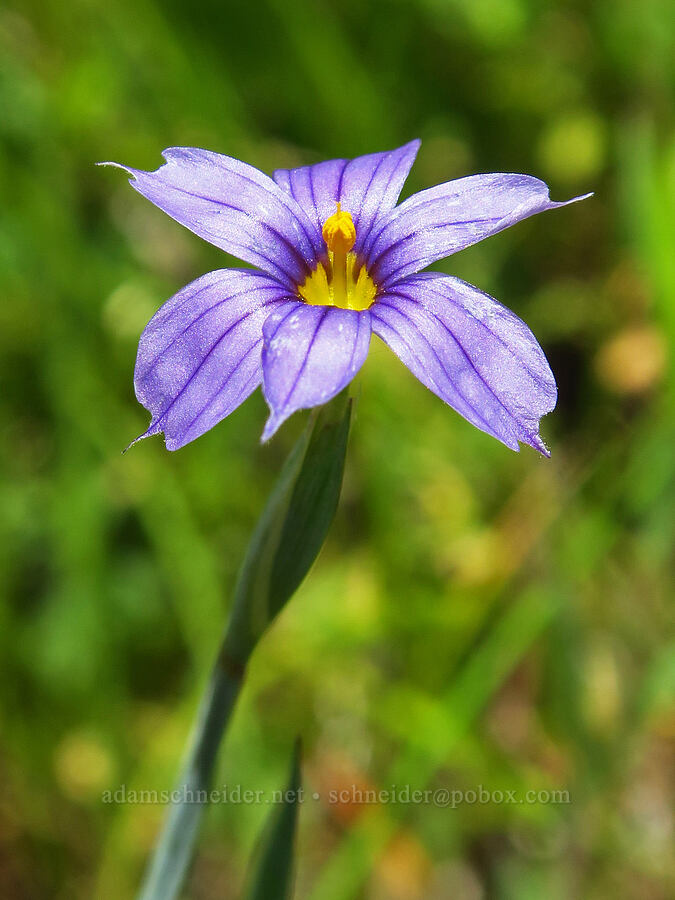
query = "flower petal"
{"x": 199, "y": 356}
{"x": 234, "y": 206}
{"x": 309, "y": 354}
{"x": 449, "y": 217}
{"x": 472, "y": 352}
{"x": 367, "y": 187}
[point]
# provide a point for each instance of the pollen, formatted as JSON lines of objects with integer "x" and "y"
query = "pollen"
{"x": 339, "y": 232}
{"x": 342, "y": 280}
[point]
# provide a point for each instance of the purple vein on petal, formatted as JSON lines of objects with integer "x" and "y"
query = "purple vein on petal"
{"x": 469, "y": 405}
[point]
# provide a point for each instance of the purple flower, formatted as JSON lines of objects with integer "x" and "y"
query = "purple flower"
{"x": 337, "y": 260}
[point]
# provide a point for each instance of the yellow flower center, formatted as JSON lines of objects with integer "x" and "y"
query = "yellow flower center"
{"x": 342, "y": 281}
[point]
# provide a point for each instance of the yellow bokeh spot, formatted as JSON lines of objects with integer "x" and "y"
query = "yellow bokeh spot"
{"x": 341, "y": 281}
{"x": 574, "y": 147}
{"x": 633, "y": 361}
{"x": 83, "y": 765}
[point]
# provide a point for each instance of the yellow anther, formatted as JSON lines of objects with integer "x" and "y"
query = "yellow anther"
{"x": 339, "y": 232}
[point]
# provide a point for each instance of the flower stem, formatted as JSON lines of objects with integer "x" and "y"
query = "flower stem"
{"x": 174, "y": 852}
{"x": 285, "y": 543}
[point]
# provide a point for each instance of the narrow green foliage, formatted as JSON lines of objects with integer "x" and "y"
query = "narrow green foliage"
{"x": 271, "y": 877}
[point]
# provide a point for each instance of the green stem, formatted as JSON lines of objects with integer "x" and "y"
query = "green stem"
{"x": 287, "y": 539}
{"x": 173, "y": 854}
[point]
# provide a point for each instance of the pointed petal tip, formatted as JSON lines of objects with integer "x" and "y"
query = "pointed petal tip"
{"x": 272, "y": 425}
{"x": 582, "y": 197}
{"x": 533, "y": 441}
{"x": 537, "y": 444}
{"x": 132, "y": 173}
{"x": 152, "y": 429}
{"x": 136, "y": 440}
{"x": 559, "y": 203}
{"x": 114, "y": 165}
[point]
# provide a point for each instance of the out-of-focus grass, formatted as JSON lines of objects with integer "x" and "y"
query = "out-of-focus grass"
{"x": 477, "y": 617}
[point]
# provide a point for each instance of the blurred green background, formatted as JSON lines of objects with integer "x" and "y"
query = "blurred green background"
{"x": 478, "y": 617}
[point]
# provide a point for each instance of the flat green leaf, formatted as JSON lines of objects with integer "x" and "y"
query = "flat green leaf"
{"x": 272, "y": 875}
{"x": 292, "y": 528}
